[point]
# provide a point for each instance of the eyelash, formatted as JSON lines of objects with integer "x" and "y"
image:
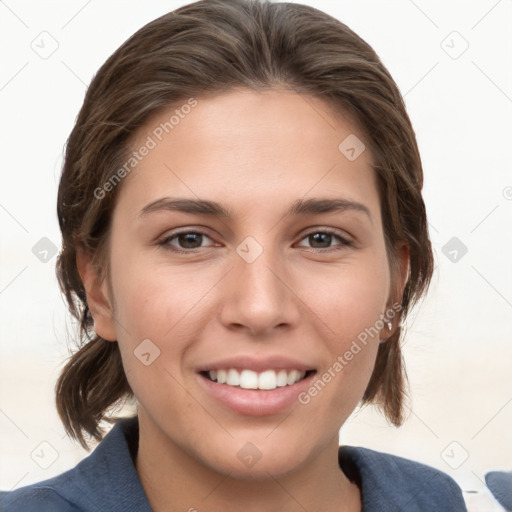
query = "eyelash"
{"x": 165, "y": 242}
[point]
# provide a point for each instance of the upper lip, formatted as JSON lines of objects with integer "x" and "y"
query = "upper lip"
{"x": 243, "y": 362}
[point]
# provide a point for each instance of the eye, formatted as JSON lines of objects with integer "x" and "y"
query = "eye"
{"x": 190, "y": 241}
{"x": 322, "y": 239}
{"x": 187, "y": 240}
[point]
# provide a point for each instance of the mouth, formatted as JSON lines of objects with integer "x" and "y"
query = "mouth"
{"x": 250, "y": 393}
{"x": 249, "y": 379}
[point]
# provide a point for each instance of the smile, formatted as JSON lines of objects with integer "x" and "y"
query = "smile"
{"x": 263, "y": 395}
{"x": 249, "y": 379}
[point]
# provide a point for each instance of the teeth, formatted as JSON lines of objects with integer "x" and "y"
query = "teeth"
{"x": 292, "y": 377}
{"x": 282, "y": 378}
{"x": 248, "y": 379}
{"x": 233, "y": 379}
{"x": 267, "y": 380}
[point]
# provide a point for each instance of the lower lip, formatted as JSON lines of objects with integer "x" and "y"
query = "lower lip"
{"x": 254, "y": 402}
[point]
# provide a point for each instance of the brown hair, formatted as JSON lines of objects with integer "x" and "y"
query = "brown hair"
{"x": 207, "y": 47}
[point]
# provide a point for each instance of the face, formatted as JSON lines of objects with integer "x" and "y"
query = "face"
{"x": 253, "y": 288}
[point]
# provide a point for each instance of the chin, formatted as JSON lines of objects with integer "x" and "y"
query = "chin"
{"x": 248, "y": 461}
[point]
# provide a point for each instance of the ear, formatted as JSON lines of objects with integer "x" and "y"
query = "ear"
{"x": 403, "y": 256}
{"x": 400, "y": 275}
{"x": 98, "y": 297}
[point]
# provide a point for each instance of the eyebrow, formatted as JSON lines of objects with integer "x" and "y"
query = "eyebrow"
{"x": 213, "y": 209}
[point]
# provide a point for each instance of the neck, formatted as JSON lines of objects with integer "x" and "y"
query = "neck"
{"x": 175, "y": 481}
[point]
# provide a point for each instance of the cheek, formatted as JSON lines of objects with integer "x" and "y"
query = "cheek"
{"x": 155, "y": 322}
{"x": 152, "y": 299}
{"x": 349, "y": 304}
{"x": 350, "y": 349}
{"x": 165, "y": 306}
{"x": 349, "y": 299}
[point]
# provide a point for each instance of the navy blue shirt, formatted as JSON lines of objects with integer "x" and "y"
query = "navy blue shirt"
{"x": 107, "y": 481}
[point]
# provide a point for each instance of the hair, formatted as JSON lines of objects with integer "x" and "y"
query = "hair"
{"x": 208, "y": 47}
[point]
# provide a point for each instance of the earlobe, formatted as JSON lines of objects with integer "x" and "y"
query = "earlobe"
{"x": 97, "y": 294}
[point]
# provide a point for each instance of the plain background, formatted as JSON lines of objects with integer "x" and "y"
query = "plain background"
{"x": 451, "y": 60}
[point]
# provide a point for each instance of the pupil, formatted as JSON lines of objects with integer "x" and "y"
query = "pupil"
{"x": 317, "y": 237}
{"x": 188, "y": 239}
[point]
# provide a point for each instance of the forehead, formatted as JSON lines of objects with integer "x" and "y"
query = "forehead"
{"x": 245, "y": 147}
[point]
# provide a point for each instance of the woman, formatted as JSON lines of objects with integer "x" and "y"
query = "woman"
{"x": 243, "y": 235}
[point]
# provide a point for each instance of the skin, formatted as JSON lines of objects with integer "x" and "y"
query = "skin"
{"x": 256, "y": 152}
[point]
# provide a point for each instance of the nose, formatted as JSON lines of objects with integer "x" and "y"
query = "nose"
{"x": 259, "y": 296}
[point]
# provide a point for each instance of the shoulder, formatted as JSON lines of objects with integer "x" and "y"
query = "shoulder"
{"x": 37, "y": 497}
{"x": 106, "y": 479}
{"x": 78, "y": 489}
{"x": 389, "y": 482}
